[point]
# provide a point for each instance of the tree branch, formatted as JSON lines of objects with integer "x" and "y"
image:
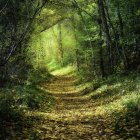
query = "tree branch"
{"x": 4, "y": 6}
{"x": 22, "y": 37}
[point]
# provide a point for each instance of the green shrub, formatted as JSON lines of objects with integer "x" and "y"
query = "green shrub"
{"x": 8, "y": 108}
{"x": 37, "y": 76}
{"x": 32, "y": 97}
{"x": 14, "y": 101}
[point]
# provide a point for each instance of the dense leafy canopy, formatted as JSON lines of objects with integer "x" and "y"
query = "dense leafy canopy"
{"x": 97, "y": 39}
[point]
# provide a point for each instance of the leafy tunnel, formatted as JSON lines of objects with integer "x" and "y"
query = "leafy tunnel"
{"x": 69, "y": 69}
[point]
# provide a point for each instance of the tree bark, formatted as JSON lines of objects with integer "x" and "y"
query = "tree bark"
{"x": 61, "y": 45}
{"x": 121, "y": 25}
{"x": 106, "y": 32}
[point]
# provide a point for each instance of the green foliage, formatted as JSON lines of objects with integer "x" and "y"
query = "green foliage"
{"x": 116, "y": 100}
{"x": 8, "y": 107}
{"x": 115, "y": 84}
{"x": 32, "y": 97}
{"x": 37, "y": 76}
{"x": 14, "y": 101}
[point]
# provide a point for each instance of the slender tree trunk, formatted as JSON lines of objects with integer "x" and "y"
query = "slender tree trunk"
{"x": 101, "y": 54}
{"x": 77, "y": 60}
{"x": 121, "y": 25}
{"x": 102, "y": 62}
{"x": 107, "y": 33}
{"x": 76, "y": 40}
{"x": 87, "y": 32}
{"x": 120, "y": 20}
{"x": 61, "y": 44}
{"x": 116, "y": 36}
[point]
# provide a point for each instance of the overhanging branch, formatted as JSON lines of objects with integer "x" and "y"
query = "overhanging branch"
{"x": 50, "y": 26}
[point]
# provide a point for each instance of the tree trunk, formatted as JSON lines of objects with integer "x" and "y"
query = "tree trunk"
{"x": 107, "y": 33}
{"x": 115, "y": 34}
{"x": 61, "y": 45}
{"x": 124, "y": 58}
{"x": 101, "y": 54}
{"x": 76, "y": 40}
{"x": 87, "y": 32}
{"x": 77, "y": 60}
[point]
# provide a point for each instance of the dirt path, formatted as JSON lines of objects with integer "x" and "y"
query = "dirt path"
{"x": 72, "y": 117}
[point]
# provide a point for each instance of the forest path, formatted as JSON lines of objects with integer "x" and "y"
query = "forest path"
{"x": 72, "y": 116}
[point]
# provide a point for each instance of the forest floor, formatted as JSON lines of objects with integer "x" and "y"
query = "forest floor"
{"x": 75, "y": 116}
{"x": 72, "y": 118}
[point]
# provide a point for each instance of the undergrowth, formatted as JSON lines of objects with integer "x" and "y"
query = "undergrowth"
{"x": 117, "y": 99}
{"x": 18, "y": 99}
{"x": 14, "y": 101}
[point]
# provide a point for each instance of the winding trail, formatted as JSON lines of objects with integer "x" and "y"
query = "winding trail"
{"x": 72, "y": 116}
{"x": 75, "y": 116}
